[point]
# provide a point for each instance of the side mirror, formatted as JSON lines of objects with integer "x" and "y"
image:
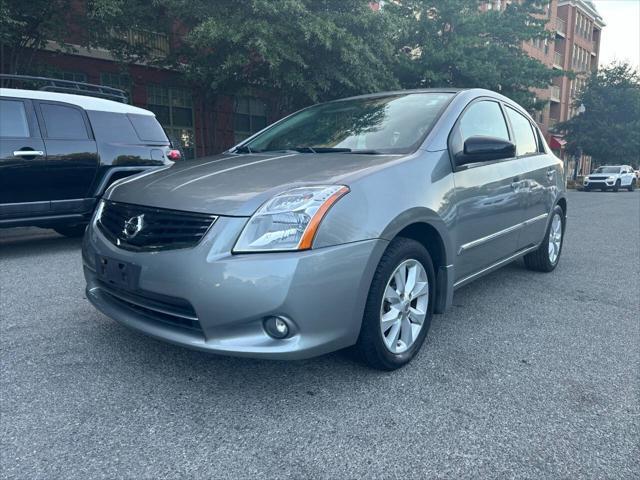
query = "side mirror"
{"x": 484, "y": 149}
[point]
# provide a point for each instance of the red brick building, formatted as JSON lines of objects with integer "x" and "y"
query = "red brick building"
{"x": 575, "y": 46}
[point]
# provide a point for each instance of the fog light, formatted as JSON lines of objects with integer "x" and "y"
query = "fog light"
{"x": 276, "y": 327}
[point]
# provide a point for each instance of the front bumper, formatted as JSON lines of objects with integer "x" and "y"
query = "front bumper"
{"x": 208, "y": 299}
{"x": 598, "y": 183}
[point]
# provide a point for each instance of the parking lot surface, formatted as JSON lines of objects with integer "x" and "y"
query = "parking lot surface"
{"x": 529, "y": 375}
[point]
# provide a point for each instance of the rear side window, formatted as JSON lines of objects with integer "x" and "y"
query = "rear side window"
{"x": 148, "y": 128}
{"x": 483, "y": 119}
{"x": 523, "y": 132}
{"x": 13, "y": 119}
{"x": 113, "y": 128}
{"x": 63, "y": 122}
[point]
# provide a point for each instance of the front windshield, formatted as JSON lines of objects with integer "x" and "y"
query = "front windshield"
{"x": 608, "y": 170}
{"x": 391, "y": 124}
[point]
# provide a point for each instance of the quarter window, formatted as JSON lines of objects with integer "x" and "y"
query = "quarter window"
{"x": 523, "y": 132}
{"x": 64, "y": 123}
{"x": 13, "y": 119}
{"x": 483, "y": 119}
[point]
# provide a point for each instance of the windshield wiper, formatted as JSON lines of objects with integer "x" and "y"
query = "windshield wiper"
{"x": 366, "y": 152}
{"x": 321, "y": 150}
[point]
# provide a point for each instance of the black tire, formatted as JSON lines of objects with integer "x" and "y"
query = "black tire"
{"x": 632, "y": 187}
{"x": 371, "y": 346}
{"x": 72, "y": 231}
{"x": 616, "y": 186}
{"x": 539, "y": 260}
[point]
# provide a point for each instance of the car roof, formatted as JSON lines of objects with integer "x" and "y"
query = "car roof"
{"x": 83, "y": 101}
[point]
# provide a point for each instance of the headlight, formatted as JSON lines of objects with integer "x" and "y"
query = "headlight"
{"x": 611, "y": 178}
{"x": 290, "y": 220}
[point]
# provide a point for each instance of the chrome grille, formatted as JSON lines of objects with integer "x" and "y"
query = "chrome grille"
{"x": 134, "y": 227}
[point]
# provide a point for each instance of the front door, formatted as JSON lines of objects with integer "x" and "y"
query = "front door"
{"x": 22, "y": 161}
{"x": 490, "y": 197}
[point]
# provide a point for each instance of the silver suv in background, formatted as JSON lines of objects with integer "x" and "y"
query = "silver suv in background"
{"x": 348, "y": 223}
{"x": 611, "y": 177}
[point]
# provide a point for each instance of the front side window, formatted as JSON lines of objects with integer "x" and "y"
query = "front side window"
{"x": 483, "y": 119}
{"x": 389, "y": 124}
{"x": 65, "y": 123}
{"x": 523, "y": 132}
{"x": 13, "y": 119}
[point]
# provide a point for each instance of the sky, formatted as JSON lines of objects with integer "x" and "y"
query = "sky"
{"x": 621, "y": 36}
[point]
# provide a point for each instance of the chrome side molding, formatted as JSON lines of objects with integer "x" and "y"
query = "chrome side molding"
{"x": 493, "y": 236}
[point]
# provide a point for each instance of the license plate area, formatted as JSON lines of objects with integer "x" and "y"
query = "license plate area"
{"x": 118, "y": 273}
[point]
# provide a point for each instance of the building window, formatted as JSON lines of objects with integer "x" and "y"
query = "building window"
{"x": 72, "y": 76}
{"x": 174, "y": 110}
{"x": 121, "y": 81}
{"x": 250, "y": 116}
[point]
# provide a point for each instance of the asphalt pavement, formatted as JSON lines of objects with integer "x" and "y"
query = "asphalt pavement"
{"x": 529, "y": 375}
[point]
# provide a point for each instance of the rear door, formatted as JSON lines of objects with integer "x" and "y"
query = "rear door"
{"x": 22, "y": 161}
{"x": 72, "y": 157}
{"x": 539, "y": 180}
{"x": 489, "y": 198}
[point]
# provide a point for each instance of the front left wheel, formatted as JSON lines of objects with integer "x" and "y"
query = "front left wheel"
{"x": 399, "y": 306}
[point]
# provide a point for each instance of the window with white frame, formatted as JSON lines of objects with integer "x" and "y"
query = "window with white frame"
{"x": 250, "y": 116}
{"x": 174, "y": 110}
{"x": 121, "y": 81}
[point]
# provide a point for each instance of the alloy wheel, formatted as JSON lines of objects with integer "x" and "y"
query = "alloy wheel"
{"x": 404, "y": 306}
{"x": 555, "y": 238}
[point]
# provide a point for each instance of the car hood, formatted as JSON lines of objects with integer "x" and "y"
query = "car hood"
{"x": 236, "y": 185}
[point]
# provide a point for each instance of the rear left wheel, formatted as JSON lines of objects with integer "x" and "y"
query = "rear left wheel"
{"x": 547, "y": 256}
{"x": 632, "y": 186}
{"x": 399, "y": 306}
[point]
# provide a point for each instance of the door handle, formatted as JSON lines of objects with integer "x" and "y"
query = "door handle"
{"x": 550, "y": 173}
{"x": 28, "y": 153}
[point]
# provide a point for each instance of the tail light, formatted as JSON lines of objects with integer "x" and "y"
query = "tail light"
{"x": 174, "y": 155}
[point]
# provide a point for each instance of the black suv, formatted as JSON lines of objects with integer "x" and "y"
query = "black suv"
{"x": 59, "y": 152}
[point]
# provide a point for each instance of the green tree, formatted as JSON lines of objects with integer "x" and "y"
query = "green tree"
{"x": 302, "y": 51}
{"x": 609, "y": 127}
{"x": 454, "y": 43}
{"x": 31, "y": 25}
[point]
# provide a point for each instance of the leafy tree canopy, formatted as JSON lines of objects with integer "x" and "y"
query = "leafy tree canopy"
{"x": 454, "y": 43}
{"x": 305, "y": 50}
{"x": 27, "y": 26}
{"x": 609, "y": 127}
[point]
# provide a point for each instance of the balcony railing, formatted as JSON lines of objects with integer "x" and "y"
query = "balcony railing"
{"x": 561, "y": 26}
{"x": 557, "y": 59}
{"x": 157, "y": 43}
{"x": 555, "y": 93}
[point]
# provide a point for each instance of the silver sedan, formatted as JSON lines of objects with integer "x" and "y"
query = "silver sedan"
{"x": 347, "y": 223}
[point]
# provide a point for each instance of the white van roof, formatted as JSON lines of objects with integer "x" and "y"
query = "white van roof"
{"x": 86, "y": 102}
